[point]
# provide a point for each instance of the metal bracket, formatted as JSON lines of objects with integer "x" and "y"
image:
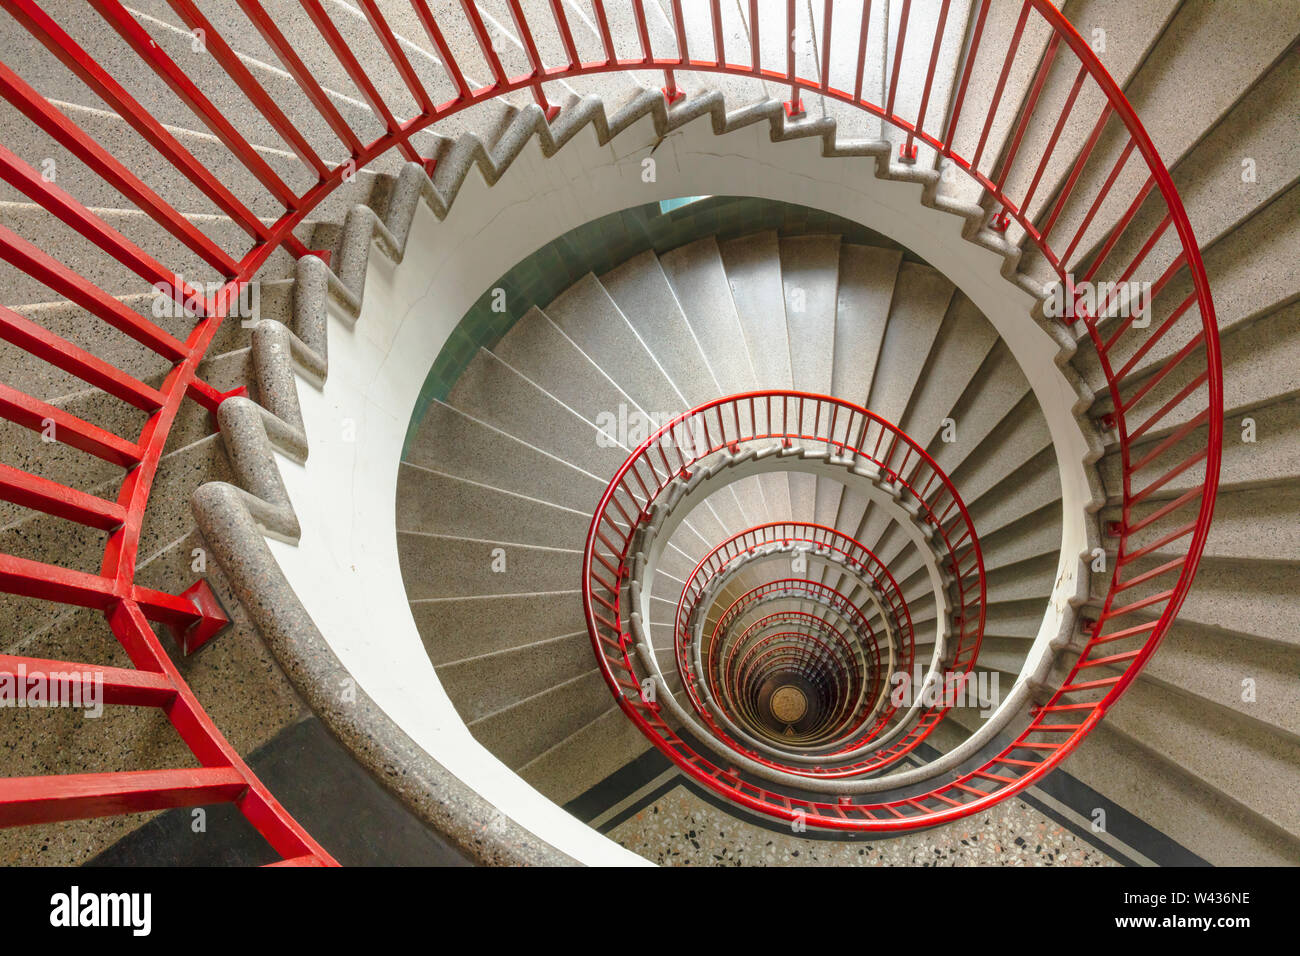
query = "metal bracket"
{"x": 212, "y": 618}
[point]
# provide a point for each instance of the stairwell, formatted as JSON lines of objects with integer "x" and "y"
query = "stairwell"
{"x": 387, "y": 490}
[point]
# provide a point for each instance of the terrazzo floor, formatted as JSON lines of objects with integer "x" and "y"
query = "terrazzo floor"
{"x": 681, "y": 829}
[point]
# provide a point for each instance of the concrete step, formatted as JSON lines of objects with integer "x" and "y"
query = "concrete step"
{"x": 1155, "y": 788}
{"x": 810, "y": 276}
{"x": 1250, "y": 677}
{"x": 103, "y": 43}
{"x": 43, "y": 538}
{"x": 55, "y": 461}
{"x": 957, "y": 355}
{"x": 1247, "y": 42}
{"x": 492, "y": 392}
{"x": 1121, "y": 37}
{"x": 1013, "y": 620}
{"x": 1273, "y": 458}
{"x": 115, "y": 134}
{"x": 1211, "y": 178}
{"x": 1035, "y": 484}
{"x": 1248, "y": 524}
{"x": 868, "y": 275}
{"x": 491, "y": 682}
{"x": 997, "y": 387}
{"x": 1259, "y": 368}
{"x": 39, "y": 227}
{"x": 537, "y": 349}
{"x": 1036, "y": 534}
{"x": 867, "y": 278}
{"x": 590, "y": 318}
{"x": 923, "y": 21}
{"x": 454, "y": 443}
{"x": 1251, "y": 765}
{"x": 524, "y": 731}
{"x": 644, "y": 295}
{"x": 460, "y": 628}
{"x": 699, "y": 282}
{"x": 429, "y": 501}
{"x": 441, "y": 566}
{"x": 810, "y": 280}
{"x": 1016, "y": 440}
{"x": 586, "y": 757}
{"x": 999, "y": 27}
{"x": 1242, "y": 597}
{"x": 1252, "y": 273}
{"x": 753, "y": 267}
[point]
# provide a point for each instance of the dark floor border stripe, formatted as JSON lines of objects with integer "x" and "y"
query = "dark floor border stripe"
{"x": 619, "y": 785}
{"x": 1123, "y": 826}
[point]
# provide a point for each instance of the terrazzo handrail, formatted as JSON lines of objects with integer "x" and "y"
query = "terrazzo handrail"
{"x": 129, "y": 608}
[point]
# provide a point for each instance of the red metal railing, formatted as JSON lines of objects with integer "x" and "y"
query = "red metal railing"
{"x": 754, "y": 422}
{"x": 1137, "y": 368}
{"x": 865, "y": 676}
{"x": 788, "y": 534}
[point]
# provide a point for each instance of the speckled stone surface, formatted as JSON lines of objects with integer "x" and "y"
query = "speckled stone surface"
{"x": 681, "y": 829}
{"x": 478, "y": 829}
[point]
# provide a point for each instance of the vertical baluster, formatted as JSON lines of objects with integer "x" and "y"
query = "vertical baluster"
{"x": 715, "y": 19}
{"x": 537, "y": 70}
{"x": 566, "y": 33}
{"x": 898, "y": 57}
{"x": 794, "y": 106}
{"x": 971, "y": 52}
{"x": 864, "y": 33}
{"x": 908, "y": 151}
{"x": 827, "y": 13}
{"x": 602, "y": 27}
{"x": 432, "y": 30}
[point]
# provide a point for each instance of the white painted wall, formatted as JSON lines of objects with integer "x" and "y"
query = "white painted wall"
{"x": 345, "y": 567}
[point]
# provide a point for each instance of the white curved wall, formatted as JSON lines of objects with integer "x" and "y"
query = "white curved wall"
{"x": 345, "y": 567}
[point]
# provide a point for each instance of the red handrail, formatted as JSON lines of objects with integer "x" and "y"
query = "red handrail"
{"x": 129, "y": 607}
{"x": 856, "y": 557}
{"x": 815, "y": 424}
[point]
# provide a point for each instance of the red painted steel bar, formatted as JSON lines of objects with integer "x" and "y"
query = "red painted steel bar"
{"x": 129, "y": 29}
{"x": 358, "y": 75}
{"x": 39, "y": 110}
{"x": 296, "y": 68}
{"x": 534, "y": 58}
{"x": 434, "y": 33}
{"x": 909, "y": 150}
{"x": 38, "y": 341}
{"x": 83, "y": 66}
{"x": 221, "y": 51}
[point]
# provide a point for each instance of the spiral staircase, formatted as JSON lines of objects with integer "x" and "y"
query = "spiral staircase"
{"x": 505, "y": 496}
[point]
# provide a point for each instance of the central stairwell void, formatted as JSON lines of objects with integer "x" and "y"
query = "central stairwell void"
{"x": 858, "y": 490}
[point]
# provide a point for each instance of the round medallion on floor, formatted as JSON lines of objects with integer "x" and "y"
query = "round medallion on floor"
{"x": 788, "y": 704}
